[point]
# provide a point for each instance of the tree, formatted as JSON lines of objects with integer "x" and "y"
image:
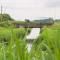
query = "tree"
{"x": 5, "y": 17}
{"x": 27, "y": 20}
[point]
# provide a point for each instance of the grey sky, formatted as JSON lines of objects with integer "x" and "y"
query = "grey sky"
{"x": 53, "y": 3}
{"x": 20, "y": 9}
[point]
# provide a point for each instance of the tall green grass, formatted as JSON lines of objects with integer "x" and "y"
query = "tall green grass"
{"x": 16, "y": 48}
{"x": 5, "y": 34}
{"x": 13, "y": 45}
{"x": 52, "y": 42}
{"x": 47, "y": 47}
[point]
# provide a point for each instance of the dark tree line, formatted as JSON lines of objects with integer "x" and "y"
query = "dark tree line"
{"x": 5, "y": 17}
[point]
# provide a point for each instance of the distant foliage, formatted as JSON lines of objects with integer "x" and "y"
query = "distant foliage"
{"x": 45, "y": 21}
{"x": 5, "y": 20}
{"x": 5, "y": 17}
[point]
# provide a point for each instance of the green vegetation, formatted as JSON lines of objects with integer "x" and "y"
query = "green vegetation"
{"x": 13, "y": 44}
{"x": 47, "y": 47}
{"x": 44, "y": 21}
{"x": 5, "y": 17}
{"x": 5, "y": 34}
{"x": 15, "y": 49}
{"x": 5, "y": 21}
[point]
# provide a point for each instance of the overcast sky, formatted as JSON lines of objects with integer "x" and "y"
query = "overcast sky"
{"x": 21, "y": 9}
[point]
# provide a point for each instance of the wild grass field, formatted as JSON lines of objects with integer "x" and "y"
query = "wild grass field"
{"x": 13, "y": 44}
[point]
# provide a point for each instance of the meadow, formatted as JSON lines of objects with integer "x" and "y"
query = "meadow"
{"x": 13, "y": 44}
